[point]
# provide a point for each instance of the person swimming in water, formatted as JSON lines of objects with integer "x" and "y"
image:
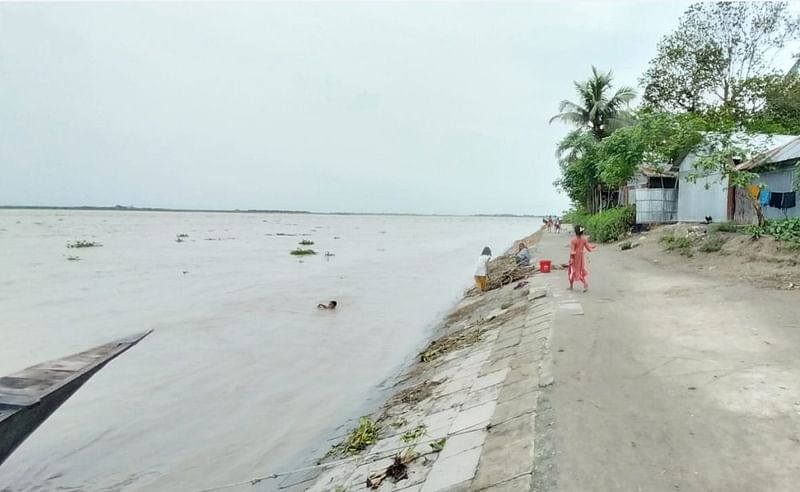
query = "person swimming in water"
{"x": 330, "y": 305}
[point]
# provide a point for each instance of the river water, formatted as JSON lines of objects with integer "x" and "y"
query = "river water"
{"x": 242, "y": 376}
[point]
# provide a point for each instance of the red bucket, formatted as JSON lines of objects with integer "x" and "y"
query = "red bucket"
{"x": 544, "y": 266}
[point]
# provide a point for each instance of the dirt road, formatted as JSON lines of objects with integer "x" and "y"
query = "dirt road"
{"x": 670, "y": 381}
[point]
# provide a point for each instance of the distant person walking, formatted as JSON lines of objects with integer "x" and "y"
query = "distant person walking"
{"x": 577, "y": 263}
{"x": 482, "y": 269}
{"x": 558, "y": 225}
{"x": 550, "y": 224}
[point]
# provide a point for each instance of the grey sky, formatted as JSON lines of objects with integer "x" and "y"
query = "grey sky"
{"x": 389, "y": 107}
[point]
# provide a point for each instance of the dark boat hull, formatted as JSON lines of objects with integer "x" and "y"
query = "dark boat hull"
{"x": 29, "y": 397}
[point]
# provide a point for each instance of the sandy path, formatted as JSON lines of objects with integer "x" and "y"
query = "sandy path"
{"x": 671, "y": 381}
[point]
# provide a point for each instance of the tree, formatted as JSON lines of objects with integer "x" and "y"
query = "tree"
{"x": 597, "y": 109}
{"x": 575, "y": 153}
{"x": 717, "y": 48}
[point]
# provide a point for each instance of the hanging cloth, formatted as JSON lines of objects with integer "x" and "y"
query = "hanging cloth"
{"x": 763, "y": 198}
{"x": 754, "y": 191}
{"x": 789, "y": 200}
{"x": 775, "y": 199}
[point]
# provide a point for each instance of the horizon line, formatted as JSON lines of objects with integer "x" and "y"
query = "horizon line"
{"x": 122, "y": 208}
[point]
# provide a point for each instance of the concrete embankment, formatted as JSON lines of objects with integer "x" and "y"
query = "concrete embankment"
{"x": 463, "y": 417}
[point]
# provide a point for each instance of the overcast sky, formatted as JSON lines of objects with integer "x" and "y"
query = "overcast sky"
{"x": 389, "y": 107}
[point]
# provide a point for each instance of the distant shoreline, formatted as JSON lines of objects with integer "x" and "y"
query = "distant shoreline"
{"x": 120, "y": 208}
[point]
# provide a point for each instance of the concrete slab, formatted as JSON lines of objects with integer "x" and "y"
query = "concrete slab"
{"x": 452, "y": 471}
{"x": 474, "y": 417}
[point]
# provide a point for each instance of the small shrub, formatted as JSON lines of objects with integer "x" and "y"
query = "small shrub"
{"x": 302, "y": 252}
{"x": 610, "y": 225}
{"x": 712, "y": 243}
{"x": 575, "y": 217}
{"x": 84, "y": 244}
{"x": 755, "y": 231}
{"x": 724, "y": 227}
{"x": 306, "y": 242}
{"x": 626, "y": 246}
{"x": 785, "y": 230}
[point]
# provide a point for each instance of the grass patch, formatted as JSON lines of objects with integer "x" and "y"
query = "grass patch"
{"x": 724, "y": 227}
{"x": 680, "y": 244}
{"x": 82, "y": 243}
{"x": 305, "y": 242}
{"x": 302, "y": 252}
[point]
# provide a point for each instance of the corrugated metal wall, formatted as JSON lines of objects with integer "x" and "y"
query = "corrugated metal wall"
{"x": 706, "y": 196}
{"x": 656, "y": 205}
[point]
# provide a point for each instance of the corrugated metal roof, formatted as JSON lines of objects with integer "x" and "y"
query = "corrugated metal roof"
{"x": 785, "y": 152}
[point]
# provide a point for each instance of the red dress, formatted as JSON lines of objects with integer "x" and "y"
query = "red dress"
{"x": 577, "y": 263}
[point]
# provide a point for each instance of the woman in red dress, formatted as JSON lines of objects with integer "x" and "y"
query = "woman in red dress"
{"x": 577, "y": 263}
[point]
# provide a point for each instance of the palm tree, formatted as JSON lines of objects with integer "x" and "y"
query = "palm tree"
{"x": 596, "y": 111}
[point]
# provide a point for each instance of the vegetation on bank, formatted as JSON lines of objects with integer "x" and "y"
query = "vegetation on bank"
{"x": 606, "y": 226}
{"x": 703, "y": 92}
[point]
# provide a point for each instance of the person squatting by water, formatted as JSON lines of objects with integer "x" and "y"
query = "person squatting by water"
{"x": 523, "y": 256}
{"x": 330, "y": 305}
{"x": 482, "y": 268}
{"x": 577, "y": 263}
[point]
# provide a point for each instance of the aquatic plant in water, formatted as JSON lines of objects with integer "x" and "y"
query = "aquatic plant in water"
{"x": 302, "y": 252}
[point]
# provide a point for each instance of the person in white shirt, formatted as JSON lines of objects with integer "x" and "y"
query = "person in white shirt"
{"x": 482, "y": 268}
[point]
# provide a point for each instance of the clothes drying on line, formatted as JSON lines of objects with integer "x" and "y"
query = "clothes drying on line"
{"x": 783, "y": 200}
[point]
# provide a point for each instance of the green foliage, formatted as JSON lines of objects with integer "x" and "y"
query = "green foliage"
{"x": 437, "y": 446}
{"x": 414, "y": 435}
{"x": 724, "y": 227}
{"x": 302, "y": 252}
{"x": 708, "y": 61}
{"x": 575, "y": 216}
{"x": 785, "y": 230}
{"x": 610, "y": 225}
{"x": 363, "y": 436}
{"x": 658, "y": 140}
{"x": 625, "y": 246}
{"x": 755, "y": 231}
{"x": 306, "y": 242}
{"x": 598, "y": 108}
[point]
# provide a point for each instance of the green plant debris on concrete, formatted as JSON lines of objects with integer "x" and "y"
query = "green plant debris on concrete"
{"x": 306, "y": 242}
{"x": 360, "y": 438}
{"x": 437, "y": 446}
{"x": 302, "y": 252}
{"x": 73, "y": 258}
{"x": 625, "y": 246}
{"x": 414, "y": 435}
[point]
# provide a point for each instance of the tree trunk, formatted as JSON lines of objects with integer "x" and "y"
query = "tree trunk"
{"x": 758, "y": 209}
